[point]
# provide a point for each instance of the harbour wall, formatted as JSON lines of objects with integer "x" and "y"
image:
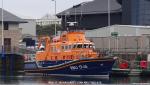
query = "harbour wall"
{"x": 11, "y": 64}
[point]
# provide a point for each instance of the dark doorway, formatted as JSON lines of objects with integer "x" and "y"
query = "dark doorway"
{"x": 7, "y": 45}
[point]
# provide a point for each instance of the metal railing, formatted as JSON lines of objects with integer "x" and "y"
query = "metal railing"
{"x": 18, "y": 50}
{"x": 133, "y": 65}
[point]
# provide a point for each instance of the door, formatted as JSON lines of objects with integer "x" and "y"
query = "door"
{"x": 7, "y": 45}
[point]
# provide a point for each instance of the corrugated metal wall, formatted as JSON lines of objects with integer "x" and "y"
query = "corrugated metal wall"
{"x": 130, "y": 38}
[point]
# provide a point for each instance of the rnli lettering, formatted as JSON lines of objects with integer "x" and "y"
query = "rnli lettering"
{"x": 79, "y": 67}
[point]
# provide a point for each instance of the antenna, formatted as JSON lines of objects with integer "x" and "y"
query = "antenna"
{"x": 65, "y": 20}
{"x": 81, "y": 13}
{"x": 75, "y": 10}
{"x": 75, "y": 16}
{"x": 66, "y": 13}
{"x": 55, "y": 18}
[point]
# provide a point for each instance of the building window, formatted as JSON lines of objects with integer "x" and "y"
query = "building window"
{"x": 6, "y": 26}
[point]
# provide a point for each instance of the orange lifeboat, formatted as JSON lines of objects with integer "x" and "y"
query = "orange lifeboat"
{"x": 69, "y": 54}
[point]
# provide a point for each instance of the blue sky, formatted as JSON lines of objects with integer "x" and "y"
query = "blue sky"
{"x": 37, "y": 8}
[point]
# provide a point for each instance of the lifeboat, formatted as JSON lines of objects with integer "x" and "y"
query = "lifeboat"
{"x": 69, "y": 54}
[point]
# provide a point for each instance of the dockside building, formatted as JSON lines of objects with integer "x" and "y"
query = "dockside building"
{"x": 12, "y": 32}
{"x": 122, "y": 38}
{"x": 94, "y": 14}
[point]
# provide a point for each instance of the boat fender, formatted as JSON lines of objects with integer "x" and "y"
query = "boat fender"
{"x": 143, "y": 64}
{"x": 55, "y": 57}
{"x": 71, "y": 57}
{"x": 115, "y": 58}
{"x": 26, "y": 58}
{"x": 63, "y": 57}
{"x": 123, "y": 65}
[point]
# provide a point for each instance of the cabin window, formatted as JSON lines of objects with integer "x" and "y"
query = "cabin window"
{"x": 91, "y": 46}
{"x": 70, "y": 46}
{"x": 63, "y": 47}
{"x": 79, "y": 46}
{"x": 85, "y": 46}
{"x": 66, "y": 47}
{"x": 74, "y": 46}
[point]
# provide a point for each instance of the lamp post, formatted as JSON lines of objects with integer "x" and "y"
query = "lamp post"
{"x": 137, "y": 44}
{"x": 108, "y": 12}
{"x": 108, "y": 9}
{"x": 55, "y": 18}
{"x": 148, "y": 43}
{"x": 3, "y": 54}
{"x": 2, "y": 30}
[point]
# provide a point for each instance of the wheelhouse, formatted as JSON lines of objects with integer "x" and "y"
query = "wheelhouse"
{"x": 69, "y": 46}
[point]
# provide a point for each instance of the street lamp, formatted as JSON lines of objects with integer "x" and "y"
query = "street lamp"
{"x": 108, "y": 9}
{"x": 148, "y": 42}
{"x": 108, "y": 12}
{"x": 137, "y": 43}
{"x": 55, "y": 18}
{"x": 2, "y": 30}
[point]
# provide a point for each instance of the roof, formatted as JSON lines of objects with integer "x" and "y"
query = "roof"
{"x": 122, "y": 30}
{"x": 93, "y": 7}
{"x": 9, "y": 17}
{"x": 49, "y": 16}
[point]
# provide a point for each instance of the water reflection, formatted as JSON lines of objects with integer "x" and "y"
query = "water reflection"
{"x": 67, "y": 80}
{"x": 129, "y": 80}
{"x": 57, "y": 80}
{"x": 52, "y": 80}
{"x": 8, "y": 80}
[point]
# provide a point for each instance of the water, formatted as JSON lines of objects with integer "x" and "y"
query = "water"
{"x": 57, "y": 80}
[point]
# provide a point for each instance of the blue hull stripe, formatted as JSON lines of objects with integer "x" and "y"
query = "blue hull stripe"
{"x": 95, "y": 67}
{"x": 73, "y": 63}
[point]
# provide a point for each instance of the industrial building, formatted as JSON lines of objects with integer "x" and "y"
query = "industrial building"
{"x": 136, "y": 12}
{"x": 94, "y": 14}
{"x": 28, "y": 28}
{"x": 121, "y": 38}
{"x": 48, "y": 20}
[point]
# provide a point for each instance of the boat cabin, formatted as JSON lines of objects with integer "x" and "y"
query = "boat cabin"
{"x": 68, "y": 46}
